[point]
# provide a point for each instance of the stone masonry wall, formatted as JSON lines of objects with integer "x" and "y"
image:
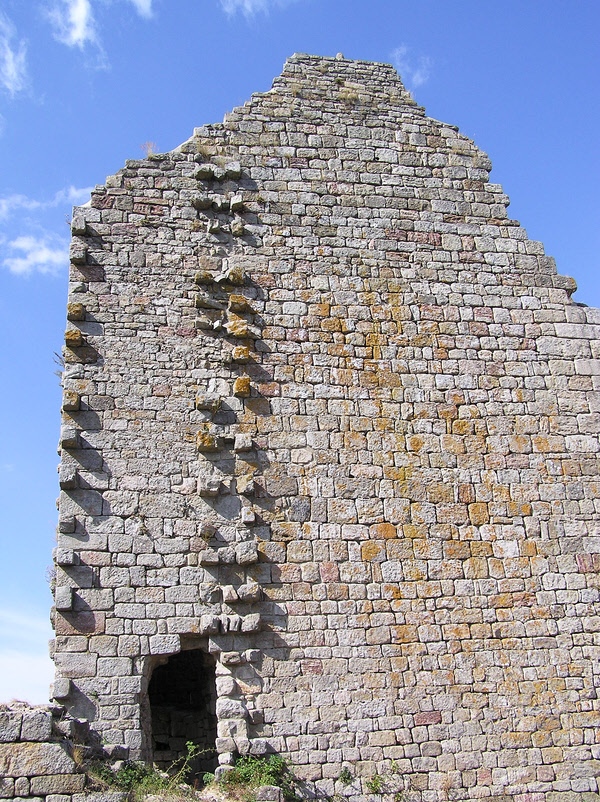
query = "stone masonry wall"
{"x": 331, "y": 417}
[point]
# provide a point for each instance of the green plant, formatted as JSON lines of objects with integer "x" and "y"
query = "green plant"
{"x": 375, "y": 784}
{"x": 345, "y": 776}
{"x": 251, "y": 772}
{"x": 139, "y": 778}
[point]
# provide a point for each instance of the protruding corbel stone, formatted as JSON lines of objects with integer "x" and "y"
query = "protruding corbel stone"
{"x": 207, "y": 442}
{"x": 209, "y": 486}
{"x": 233, "y": 170}
{"x": 236, "y": 203}
{"x": 206, "y": 530}
{"x": 204, "y": 301}
{"x": 247, "y": 516}
{"x": 233, "y": 273}
{"x": 205, "y": 172}
{"x": 231, "y": 623}
{"x": 65, "y": 556}
{"x": 63, "y": 599}
{"x": 77, "y": 253}
{"x": 73, "y": 338}
{"x": 67, "y": 477}
{"x": 78, "y": 225}
{"x": 246, "y": 552}
{"x": 71, "y": 401}
{"x": 208, "y": 401}
{"x": 239, "y": 303}
{"x": 208, "y": 557}
{"x": 230, "y": 659}
{"x": 241, "y": 387}
{"x": 66, "y": 524}
{"x": 250, "y": 592}
{"x": 201, "y": 202}
{"x": 69, "y": 437}
{"x": 237, "y": 227}
{"x": 243, "y": 442}
{"x": 209, "y": 624}
{"x": 229, "y": 594}
{"x": 61, "y": 688}
{"x": 240, "y": 328}
{"x": 220, "y": 203}
{"x": 213, "y": 227}
{"x": 75, "y": 311}
{"x": 245, "y": 485}
{"x": 240, "y": 354}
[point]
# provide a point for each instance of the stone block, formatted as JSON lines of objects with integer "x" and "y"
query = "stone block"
{"x": 63, "y": 598}
{"x": 61, "y": 688}
{"x": 36, "y": 726}
{"x": 35, "y": 759}
{"x": 69, "y": 437}
{"x": 10, "y": 726}
{"x": 165, "y": 644}
{"x": 241, "y": 387}
{"x": 58, "y": 784}
{"x": 7, "y": 787}
{"x": 246, "y": 552}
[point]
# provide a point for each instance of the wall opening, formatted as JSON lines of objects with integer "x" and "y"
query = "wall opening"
{"x": 182, "y": 695}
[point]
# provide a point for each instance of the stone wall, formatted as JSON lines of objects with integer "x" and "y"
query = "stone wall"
{"x": 332, "y": 418}
{"x": 37, "y": 745}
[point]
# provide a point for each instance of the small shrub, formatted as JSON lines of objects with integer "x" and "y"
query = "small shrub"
{"x": 375, "y": 784}
{"x": 249, "y": 773}
{"x": 345, "y": 776}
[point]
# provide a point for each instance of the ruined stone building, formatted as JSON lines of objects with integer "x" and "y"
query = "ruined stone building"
{"x": 329, "y": 474}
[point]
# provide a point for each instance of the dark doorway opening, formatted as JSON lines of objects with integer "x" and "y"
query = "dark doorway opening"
{"x": 182, "y": 695}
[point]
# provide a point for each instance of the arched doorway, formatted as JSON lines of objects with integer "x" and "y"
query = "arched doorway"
{"x": 182, "y": 696}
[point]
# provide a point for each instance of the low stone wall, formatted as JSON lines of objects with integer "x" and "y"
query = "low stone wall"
{"x": 39, "y": 750}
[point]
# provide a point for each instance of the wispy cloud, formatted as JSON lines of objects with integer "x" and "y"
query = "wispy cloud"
{"x": 71, "y": 194}
{"x": 73, "y": 22}
{"x": 250, "y": 7}
{"x": 414, "y": 71}
{"x": 143, "y": 7}
{"x": 47, "y": 254}
{"x": 13, "y": 58}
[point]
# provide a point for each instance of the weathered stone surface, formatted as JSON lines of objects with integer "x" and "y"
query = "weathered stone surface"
{"x": 31, "y": 759}
{"x": 58, "y": 784}
{"x": 337, "y": 320}
{"x": 10, "y": 726}
{"x": 36, "y": 726}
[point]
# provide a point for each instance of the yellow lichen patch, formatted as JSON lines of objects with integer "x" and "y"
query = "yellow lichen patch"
{"x": 478, "y": 514}
{"x": 241, "y": 387}
{"x": 206, "y": 442}
{"x": 373, "y": 551}
{"x": 383, "y": 530}
{"x": 73, "y": 338}
{"x": 404, "y": 634}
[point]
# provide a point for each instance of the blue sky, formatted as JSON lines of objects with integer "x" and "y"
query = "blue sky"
{"x": 84, "y": 83}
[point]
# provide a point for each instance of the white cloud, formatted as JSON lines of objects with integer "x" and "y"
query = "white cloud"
{"x": 13, "y": 58}
{"x": 250, "y": 7}
{"x": 71, "y": 195}
{"x": 47, "y": 254}
{"x": 414, "y": 72}
{"x": 14, "y": 202}
{"x": 143, "y": 7}
{"x": 73, "y": 22}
